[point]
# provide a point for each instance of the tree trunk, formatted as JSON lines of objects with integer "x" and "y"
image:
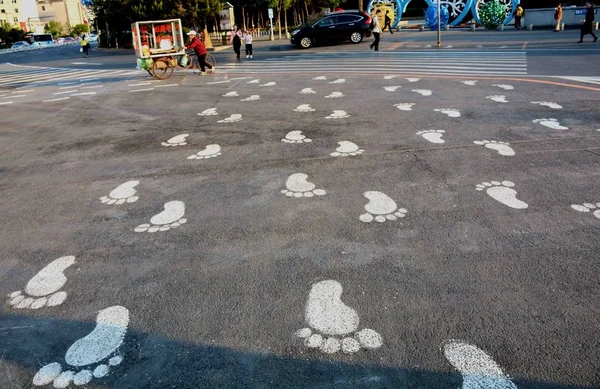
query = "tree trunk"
{"x": 307, "y": 14}
{"x": 279, "y": 20}
{"x": 243, "y": 19}
{"x": 285, "y": 19}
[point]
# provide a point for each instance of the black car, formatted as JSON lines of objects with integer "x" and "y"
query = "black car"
{"x": 335, "y": 27}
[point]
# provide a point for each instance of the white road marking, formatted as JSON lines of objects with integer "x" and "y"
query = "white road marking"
{"x": 140, "y": 84}
{"x": 167, "y": 85}
{"x": 380, "y": 208}
{"x": 141, "y": 90}
{"x": 59, "y": 99}
{"x": 22, "y": 91}
{"x": 124, "y": 193}
{"x": 84, "y": 94}
{"x": 92, "y": 87}
{"x": 13, "y": 97}
{"x": 65, "y": 92}
{"x": 6, "y": 103}
{"x": 86, "y": 63}
{"x": 172, "y": 216}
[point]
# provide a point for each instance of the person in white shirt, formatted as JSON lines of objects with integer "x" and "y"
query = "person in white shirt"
{"x": 247, "y": 38}
{"x": 376, "y": 31}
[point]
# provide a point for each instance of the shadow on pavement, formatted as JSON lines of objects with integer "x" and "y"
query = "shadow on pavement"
{"x": 152, "y": 361}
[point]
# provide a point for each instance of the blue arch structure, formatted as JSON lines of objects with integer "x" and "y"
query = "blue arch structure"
{"x": 399, "y": 5}
{"x": 458, "y": 8}
{"x": 511, "y": 6}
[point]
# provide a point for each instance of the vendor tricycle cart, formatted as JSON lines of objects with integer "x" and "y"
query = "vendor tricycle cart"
{"x": 159, "y": 46}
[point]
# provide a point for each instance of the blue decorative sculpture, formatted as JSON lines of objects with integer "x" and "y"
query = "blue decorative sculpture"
{"x": 459, "y": 9}
{"x": 431, "y": 16}
{"x": 511, "y": 6}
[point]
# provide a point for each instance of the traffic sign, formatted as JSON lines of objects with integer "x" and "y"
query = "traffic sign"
{"x": 270, "y": 13}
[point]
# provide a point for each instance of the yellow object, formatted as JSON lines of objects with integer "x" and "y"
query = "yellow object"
{"x": 83, "y": 42}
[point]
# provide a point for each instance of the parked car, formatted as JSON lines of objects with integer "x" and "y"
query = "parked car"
{"x": 92, "y": 38}
{"x": 60, "y": 41}
{"x": 335, "y": 27}
{"x": 19, "y": 44}
{"x": 70, "y": 40}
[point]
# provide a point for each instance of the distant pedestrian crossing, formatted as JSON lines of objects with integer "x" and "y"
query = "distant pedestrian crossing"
{"x": 12, "y": 76}
{"x": 418, "y": 62}
{"x": 588, "y": 80}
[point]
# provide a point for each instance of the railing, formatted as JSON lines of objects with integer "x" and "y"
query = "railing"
{"x": 34, "y": 47}
{"x": 257, "y": 34}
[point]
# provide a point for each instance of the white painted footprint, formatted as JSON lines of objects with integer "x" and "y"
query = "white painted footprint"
{"x": 548, "y": 104}
{"x": 389, "y": 77}
{"x": 91, "y": 355}
{"x": 346, "y": 148}
{"x": 307, "y": 91}
{"x": 231, "y": 94}
{"x": 498, "y": 98}
{"x": 334, "y": 95}
{"x": 304, "y": 108}
{"x": 451, "y": 112}
{"x": 503, "y": 193}
{"x": 270, "y": 83}
{"x": 332, "y": 319}
{"x": 251, "y": 98}
{"x": 412, "y": 79}
{"x": 208, "y": 112}
{"x": 380, "y": 208}
{"x": 320, "y": 78}
{"x": 587, "y": 207}
{"x": 297, "y": 186}
{"x": 44, "y": 286}
{"x": 338, "y": 81}
{"x": 209, "y": 151}
{"x": 295, "y": 137}
{"x": 423, "y": 92}
{"x": 551, "y": 123}
{"x": 337, "y": 114}
{"x": 392, "y": 88}
{"x": 236, "y": 117}
{"x": 177, "y": 140}
{"x": 124, "y": 193}
{"x": 504, "y": 86}
{"x": 503, "y": 148}
{"x": 478, "y": 369}
{"x": 469, "y": 82}
{"x": 434, "y": 136}
{"x": 171, "y": 217}
{"x": 404, "y": 106}
{"x": 255, "y": 81}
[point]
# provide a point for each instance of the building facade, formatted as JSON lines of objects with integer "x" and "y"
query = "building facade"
{"x": 21, "y": 14}
{"x": 68, "y": 12}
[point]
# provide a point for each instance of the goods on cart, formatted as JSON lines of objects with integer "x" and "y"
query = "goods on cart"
{"x": 158, "y": 38}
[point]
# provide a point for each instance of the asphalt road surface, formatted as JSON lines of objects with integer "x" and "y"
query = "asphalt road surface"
{"x": 329, "y": 218}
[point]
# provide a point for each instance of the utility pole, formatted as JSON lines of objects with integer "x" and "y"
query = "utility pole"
{"x": 439, "y": 29}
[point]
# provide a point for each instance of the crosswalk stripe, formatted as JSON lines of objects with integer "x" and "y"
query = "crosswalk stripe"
{"x": 416, "y": 62}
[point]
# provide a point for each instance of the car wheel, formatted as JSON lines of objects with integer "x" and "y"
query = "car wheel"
{"x": 356, "y": 37}
{"x": 306, "y": 42}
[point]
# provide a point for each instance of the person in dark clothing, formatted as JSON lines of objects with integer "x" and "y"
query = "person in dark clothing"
{"x": 519, "y": 12}
{"x": 587, "y": 23}
{"x": 198, "y": 46}
{"x": 388, "y": 22}
{"x": 236, "y": 40}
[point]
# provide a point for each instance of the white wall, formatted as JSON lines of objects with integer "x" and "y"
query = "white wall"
{"x": 545, "y": 16}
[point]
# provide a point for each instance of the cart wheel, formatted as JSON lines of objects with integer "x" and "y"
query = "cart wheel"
{"x": 161, "y": 69}
{"x": 210, "y": 59}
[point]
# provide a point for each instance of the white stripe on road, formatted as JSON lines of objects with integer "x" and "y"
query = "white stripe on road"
{"x": 23, "y": 91}
{"x": 92, "y": 87}
{"x": 6, "y": 102}
{"x": 141, "y": 90}
{"x": 140, "y": 84}
{"x": 65, "y": 92}
{"x": 167, "y": 85}
{"x": 59, "y": 99}
{"x": 84, "y": 94}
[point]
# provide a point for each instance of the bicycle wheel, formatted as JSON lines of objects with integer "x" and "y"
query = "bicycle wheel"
{"x": 210, "y": 59}
{"x": 161, "y": 69}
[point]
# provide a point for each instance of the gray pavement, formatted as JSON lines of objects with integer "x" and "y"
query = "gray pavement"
{"x": 456, "y": 219}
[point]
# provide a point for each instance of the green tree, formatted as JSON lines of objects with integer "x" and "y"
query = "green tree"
{"x": 55, "y": 28}
{"x": 80, "y": 29}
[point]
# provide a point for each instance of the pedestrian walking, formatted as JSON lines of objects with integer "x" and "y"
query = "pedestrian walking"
{"x": 85, "y": 45}
{"x": 236, "y": 40}
{"x": 557, "y": 17}
{"x": 247, "y": 38}
{"x": 388, "y": 22}
{"x": 376, "y": 31}
{"x": 518, "y": 15}
{"x": 587, "y": 22}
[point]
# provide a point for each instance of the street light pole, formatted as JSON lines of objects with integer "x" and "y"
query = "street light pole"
{"x": 439, "y": 33}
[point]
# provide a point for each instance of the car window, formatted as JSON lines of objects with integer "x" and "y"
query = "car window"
{"x": 347, "y": 19}
{"x": 326, "y": 22}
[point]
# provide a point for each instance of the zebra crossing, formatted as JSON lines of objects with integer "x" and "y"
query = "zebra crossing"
{"x": 587, "y": 80}
{"x": 14, "y": 76}
{"x": 418, "y": 62}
